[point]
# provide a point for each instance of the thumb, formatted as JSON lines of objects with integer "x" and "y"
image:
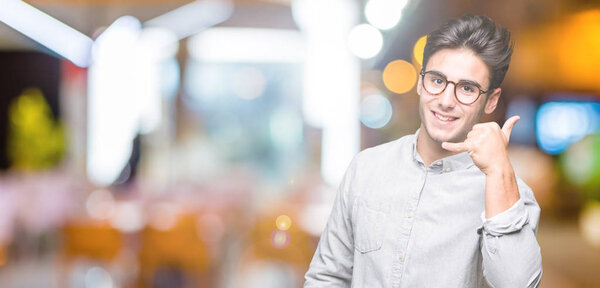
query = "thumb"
{"x": 454, "y": 147}
{"x": 508, "y": 126}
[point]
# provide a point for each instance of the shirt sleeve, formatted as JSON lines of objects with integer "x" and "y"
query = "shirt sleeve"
{"x": 510, "y": 251}
{"x": 333, "y": 260}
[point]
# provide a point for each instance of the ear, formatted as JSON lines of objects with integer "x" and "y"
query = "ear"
{"x": 492, "y": 101}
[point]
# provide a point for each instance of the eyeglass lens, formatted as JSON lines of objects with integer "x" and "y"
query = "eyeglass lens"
{"x": 466, "y": 93}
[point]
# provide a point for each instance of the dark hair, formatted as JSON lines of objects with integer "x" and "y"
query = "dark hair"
{"x": 488, "y": 40}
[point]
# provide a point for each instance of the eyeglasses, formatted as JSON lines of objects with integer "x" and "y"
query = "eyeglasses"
{"x": 466, "y": 92}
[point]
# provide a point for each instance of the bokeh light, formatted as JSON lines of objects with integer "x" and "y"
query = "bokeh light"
{"x": 581, "y": 163}
{"x": 365, "y": 41}
{"x": 97, "y": 277}
{"x": 375, "y": 111}
{"x": 561, "y": 123}
{"x": 589, "y": 223}
{"x": 128, "y": 217}
{"x": 399, "y": 76}
{"x": 283, "y": 222}
{"x": 163, "y": 216}
{"x": 100, "y": 204}
{"x": 418, "y": 50}
{"x": 280, "y": 238}
{"x": 384, "y": 14}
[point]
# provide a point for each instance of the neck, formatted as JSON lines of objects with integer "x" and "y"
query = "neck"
{"x": 429, "y": 149}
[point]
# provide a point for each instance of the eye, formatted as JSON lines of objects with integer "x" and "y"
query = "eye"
{"x": 468, "y": 88}
{"x": 438, "y": 81}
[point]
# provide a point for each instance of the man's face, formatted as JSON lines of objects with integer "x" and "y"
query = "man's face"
{"x": 443, "y": 118}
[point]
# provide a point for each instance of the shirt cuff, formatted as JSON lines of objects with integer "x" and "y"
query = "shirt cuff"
{"x": 509, "y": 221}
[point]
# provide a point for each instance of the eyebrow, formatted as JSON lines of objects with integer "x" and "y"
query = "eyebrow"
{"x": 438, "y": 73}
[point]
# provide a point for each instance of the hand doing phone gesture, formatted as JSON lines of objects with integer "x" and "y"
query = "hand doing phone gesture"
{"x": 486, "y": 144}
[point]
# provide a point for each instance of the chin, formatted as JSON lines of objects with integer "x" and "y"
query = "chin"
{"x": 442, "y": 137}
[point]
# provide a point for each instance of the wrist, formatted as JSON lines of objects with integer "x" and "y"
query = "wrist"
{"x": 500, "y": 169}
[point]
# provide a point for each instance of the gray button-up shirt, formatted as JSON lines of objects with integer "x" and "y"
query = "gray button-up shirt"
{"x": 397, "y": 223}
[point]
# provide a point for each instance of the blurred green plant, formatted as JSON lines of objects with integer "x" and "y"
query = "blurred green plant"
{"x": 581, "y": 166}
{"x": 35, "y": 139}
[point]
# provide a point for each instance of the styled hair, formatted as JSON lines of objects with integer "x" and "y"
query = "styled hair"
{"x": 480, "y": 34}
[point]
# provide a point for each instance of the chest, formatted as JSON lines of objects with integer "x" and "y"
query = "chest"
{"x": 427, "y": 203}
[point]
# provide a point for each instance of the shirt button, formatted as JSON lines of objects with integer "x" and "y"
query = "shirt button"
{"x": 447, "y": 169}
{"x": 438, "y": 163}
{"x": 410, "y": 215}
{"x": 400, "y": 256}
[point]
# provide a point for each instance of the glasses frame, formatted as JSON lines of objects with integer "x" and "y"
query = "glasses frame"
{"x": 422, "y": 73}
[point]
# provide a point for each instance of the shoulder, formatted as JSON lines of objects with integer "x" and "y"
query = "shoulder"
{"x": 370, "y": 170}
{"x": 381, "y": 159}
{"x": 387, "y": 150}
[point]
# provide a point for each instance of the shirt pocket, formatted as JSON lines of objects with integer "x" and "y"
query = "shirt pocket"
{"x": 369, "y": 226}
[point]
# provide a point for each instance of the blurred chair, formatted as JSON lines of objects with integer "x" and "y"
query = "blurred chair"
{"x": 91, "y": 241}
{"x": 174, "y": 257}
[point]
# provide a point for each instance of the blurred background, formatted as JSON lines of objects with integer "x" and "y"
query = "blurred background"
{"x": 148, "y": 143}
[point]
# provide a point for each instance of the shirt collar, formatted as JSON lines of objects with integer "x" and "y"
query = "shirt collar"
{"x": 451, "y": 163}
{"x": 415, "y": 154}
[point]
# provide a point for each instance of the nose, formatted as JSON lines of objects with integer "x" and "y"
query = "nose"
{"x": 447, "y": 100}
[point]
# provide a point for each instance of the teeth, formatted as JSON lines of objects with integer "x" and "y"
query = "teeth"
{"x": 443, "y": 118}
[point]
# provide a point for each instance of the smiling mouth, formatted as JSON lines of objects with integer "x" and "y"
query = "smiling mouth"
{"x": 444, "y": 118}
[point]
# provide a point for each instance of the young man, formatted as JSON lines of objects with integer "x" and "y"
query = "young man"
{"x": 442, "y": 207}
